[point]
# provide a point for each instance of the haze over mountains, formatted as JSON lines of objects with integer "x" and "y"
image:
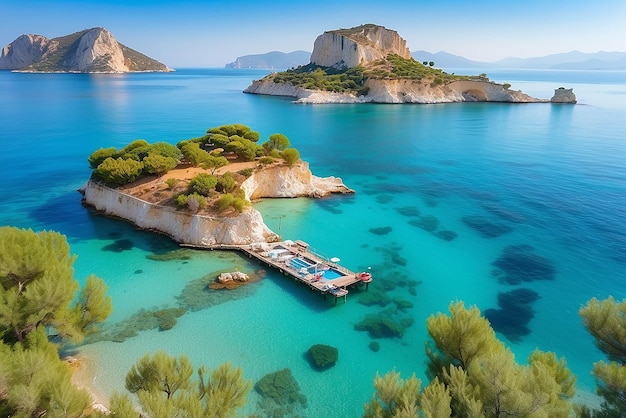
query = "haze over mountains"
{"x": 574, "y": 60}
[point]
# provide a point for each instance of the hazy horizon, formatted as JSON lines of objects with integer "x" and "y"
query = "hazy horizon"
{"x": 195, "y": 33}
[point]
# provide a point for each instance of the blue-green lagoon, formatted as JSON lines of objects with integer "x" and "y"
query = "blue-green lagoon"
{"x": 453, "y": 202}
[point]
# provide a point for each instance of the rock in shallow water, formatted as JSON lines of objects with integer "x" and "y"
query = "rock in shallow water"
{"x": 323, "y": 356}
{"x": 519, "y": 263}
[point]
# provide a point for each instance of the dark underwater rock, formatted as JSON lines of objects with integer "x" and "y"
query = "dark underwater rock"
{"x": 515, "y": 313}
{"x": 385, "y": 324}
{"x": 180, "y": 254}
{"x": 446, "y": 235}
{"x": 323, "y": 356}
{"x": 281, "y": 387}
{"x": 374, "y": 296}
{"x": 374, "y": 346}
{"x": 505, "y": 214}
{"x": 427, "y": 223}
{"x": 119, "y": 246}
{"x": 383, "y": 230}
{"x": 403, "y": 304}
{"x": 485, "y": 227}
{"x": 384, "y": 198}
{"x": 411, "y": 211}
{"x": 519, "y": 263}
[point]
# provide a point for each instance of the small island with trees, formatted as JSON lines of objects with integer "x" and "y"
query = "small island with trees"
{"x": 190, "y": 171}
{"x": 371, "y": 64}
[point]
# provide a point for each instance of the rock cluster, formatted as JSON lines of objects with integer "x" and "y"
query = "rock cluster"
{"x": 236, "y": 276}
{"x": 91, "y": 50}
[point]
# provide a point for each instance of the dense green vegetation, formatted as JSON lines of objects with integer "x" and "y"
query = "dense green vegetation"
{"x": 317, "y": 78}
{"x": 353, "y": 80}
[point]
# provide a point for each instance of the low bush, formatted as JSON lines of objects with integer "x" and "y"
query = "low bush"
{"x": 203, "y": 184}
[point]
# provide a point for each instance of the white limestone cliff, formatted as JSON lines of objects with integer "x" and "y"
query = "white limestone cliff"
{"x": 98, "y": 49}
{"x": 298, "y": 181}
{"x": 184, "y": 227}
{"x": 25, "y": 50}
{"x": 348, "y": 48}
{"x": 203, "y": 230}
{"x": 399, "y": 91}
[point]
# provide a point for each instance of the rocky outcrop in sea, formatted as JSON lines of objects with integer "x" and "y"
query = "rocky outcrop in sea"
{"x": 371, "y": 45}
{"x": 90, "y": 51}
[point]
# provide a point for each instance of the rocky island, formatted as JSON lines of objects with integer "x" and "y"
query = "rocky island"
{"x": 372, "y": 64}
{"x": 89, "y": 51}
{"x": 199, "y": 192}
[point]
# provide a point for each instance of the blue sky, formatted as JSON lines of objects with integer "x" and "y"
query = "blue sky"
{"x": 194, "y": 33}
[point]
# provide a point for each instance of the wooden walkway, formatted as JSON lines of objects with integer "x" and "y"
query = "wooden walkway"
{"x": 295, "y": 259}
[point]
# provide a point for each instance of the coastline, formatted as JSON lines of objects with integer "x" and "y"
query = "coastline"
{"x": 84, "y": 374}
{"x": 406, "y": 91}
{"x": 208, "y": 229}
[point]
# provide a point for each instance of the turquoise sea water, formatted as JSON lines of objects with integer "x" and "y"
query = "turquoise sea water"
{"x": 453, "y": 202}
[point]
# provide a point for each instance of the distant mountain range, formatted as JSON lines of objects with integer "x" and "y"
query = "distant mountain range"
{"x": 574, "y": 60}
{"x": 272, "y": 60}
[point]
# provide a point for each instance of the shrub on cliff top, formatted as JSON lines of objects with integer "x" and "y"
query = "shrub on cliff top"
{"x": 97, "y": 157}
{"x": 226, "y": 183}
{"x": 158, "y": 164}
{"x": 291, "y": 156}
{"x": 118, "y": 171}
{"x": 203, "y": 184}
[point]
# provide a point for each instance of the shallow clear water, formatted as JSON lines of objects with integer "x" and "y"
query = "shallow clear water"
{"x": 447, "y": 197}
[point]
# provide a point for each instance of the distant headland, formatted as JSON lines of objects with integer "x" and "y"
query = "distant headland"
{"x": 371, "y": 64}
{"x": 89, "y": 51}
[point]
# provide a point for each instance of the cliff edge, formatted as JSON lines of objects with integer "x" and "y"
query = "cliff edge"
{"x": 90, "y": 51}
{"x": 361, "y": 45}
{"x": 210, "y": 229}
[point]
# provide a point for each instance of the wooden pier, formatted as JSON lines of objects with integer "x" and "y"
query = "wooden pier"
{"x": 297, "y": 260}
